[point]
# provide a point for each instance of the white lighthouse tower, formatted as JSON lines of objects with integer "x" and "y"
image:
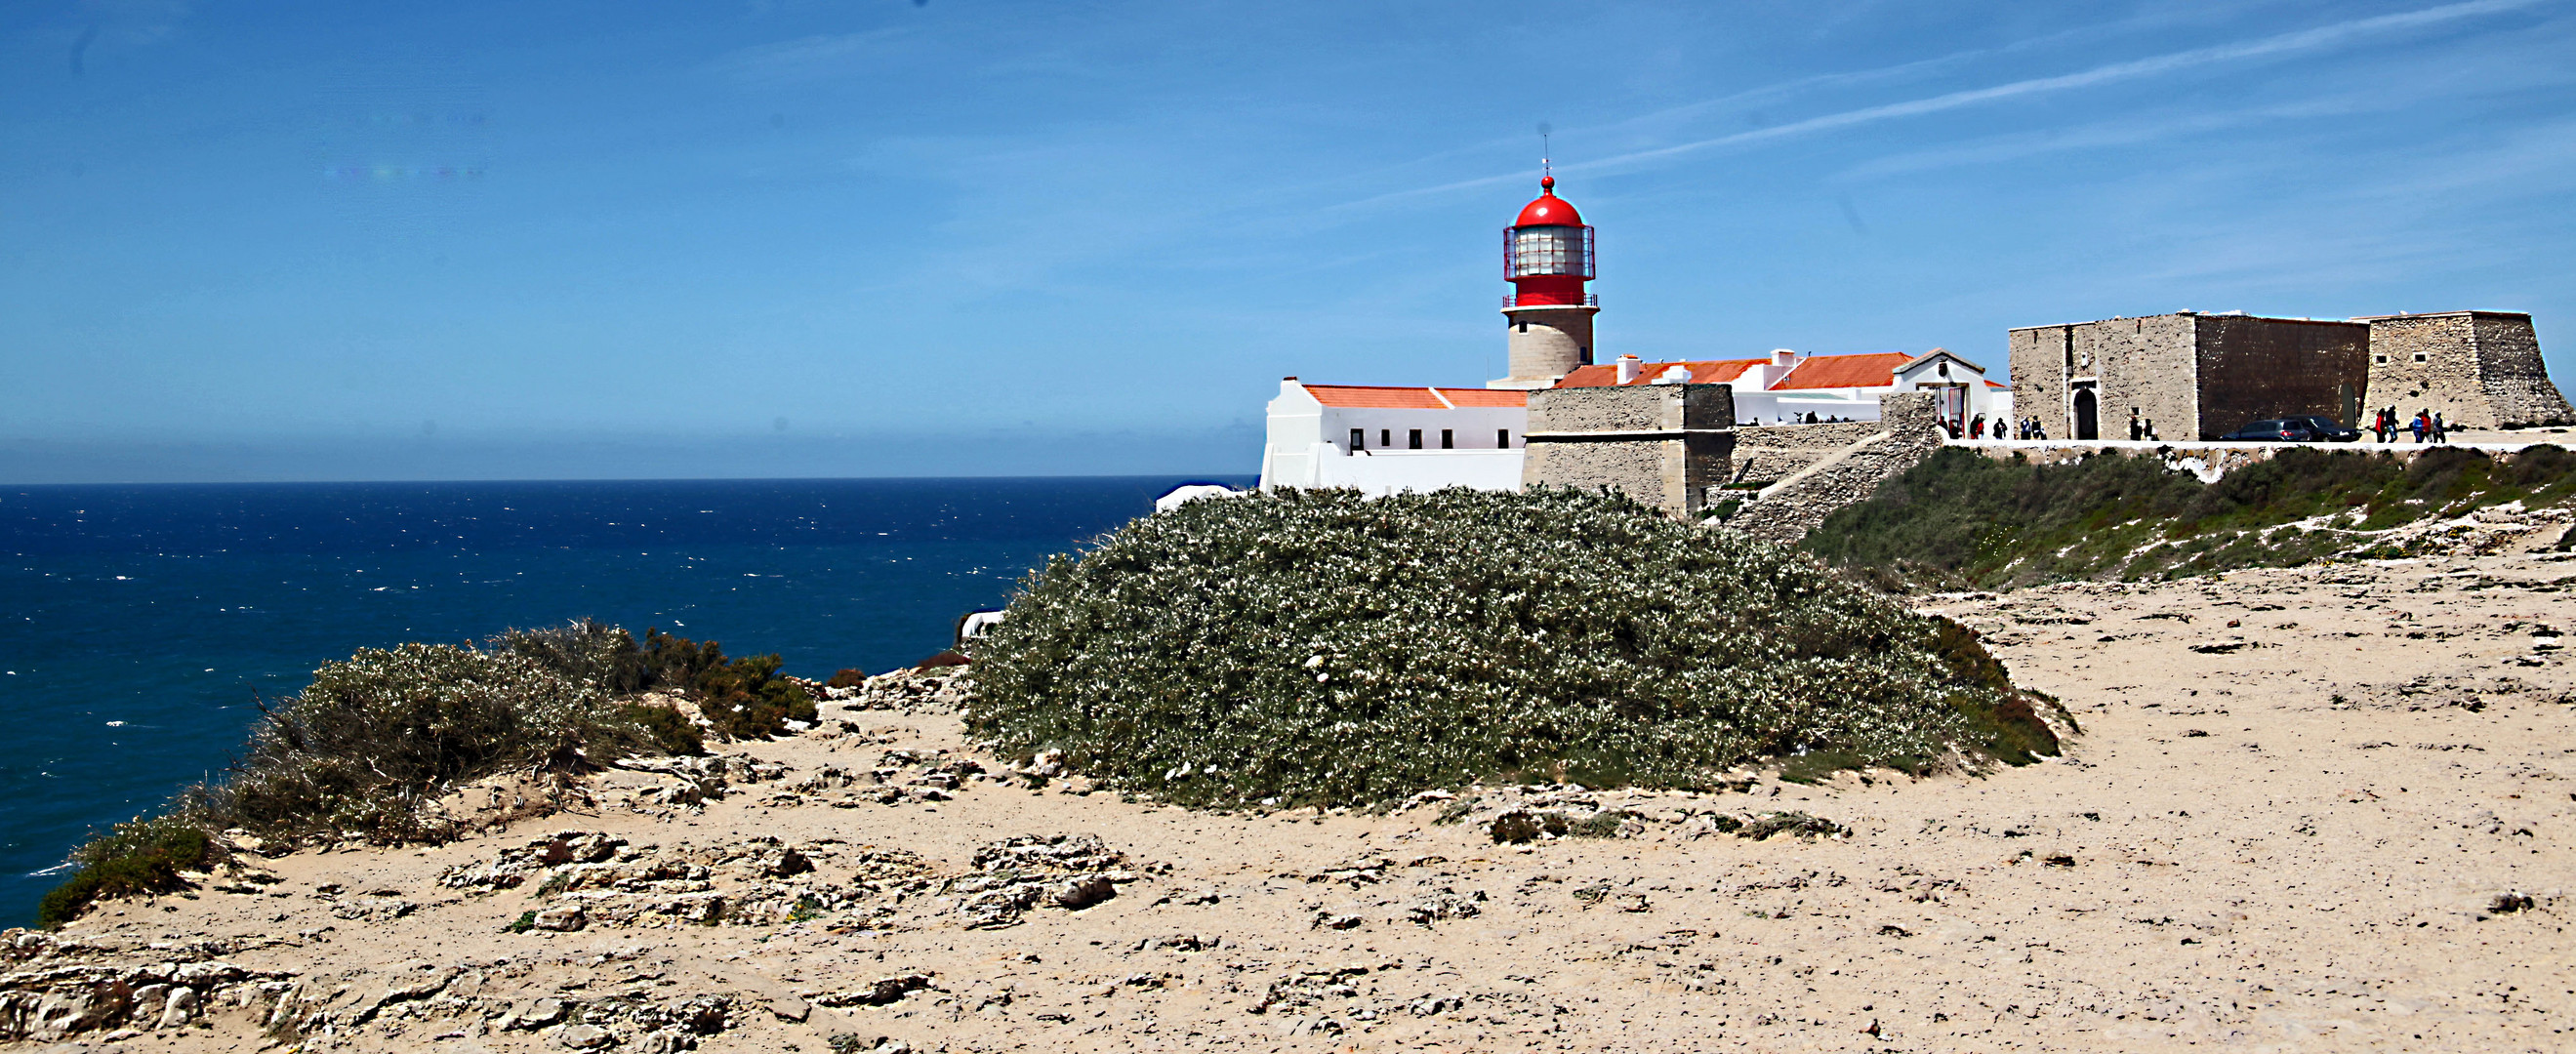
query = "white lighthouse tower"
{"x": 1547, "y": 256}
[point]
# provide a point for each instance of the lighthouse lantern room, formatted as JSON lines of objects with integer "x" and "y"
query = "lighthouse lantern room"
{"x": 1547, "y": 256}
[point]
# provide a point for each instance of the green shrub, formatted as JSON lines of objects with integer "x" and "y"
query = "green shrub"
{"x": 668, "y": 728}
{"x": 586, "y": 651}
{"x": 847, "y": 679}
{"x": 1315, "y": 647}
{"x": 377, "y": 736}
{"x": 143, "y": 855}
{"x": 1962, "y": 519}
{"x": 743, "y": 698}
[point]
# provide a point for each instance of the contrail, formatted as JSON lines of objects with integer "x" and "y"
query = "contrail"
{"x": 2301, "y": 40}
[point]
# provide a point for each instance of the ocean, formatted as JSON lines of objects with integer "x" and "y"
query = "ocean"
{"x": 140, "y": 626}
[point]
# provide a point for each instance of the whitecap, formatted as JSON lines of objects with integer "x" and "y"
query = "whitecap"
{"x": 116, "y": 724}
{"x": 54, "y": 870}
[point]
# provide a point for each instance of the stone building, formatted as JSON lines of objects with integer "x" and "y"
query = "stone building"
{"x": 2202, "y": 376}
{"x": 2478, "y": 369}
{"x": 2195, "y": 376}
{"x": 1667, "y": 445}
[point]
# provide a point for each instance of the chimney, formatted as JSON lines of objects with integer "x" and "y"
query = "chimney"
{"x": 1783, "y": 358}
{"x": 1628, "y": 368}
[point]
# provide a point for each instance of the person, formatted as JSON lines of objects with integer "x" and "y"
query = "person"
{"x": 2137, "y": 429}
{"x": 2151, "y": 430}
{"x": 2441, "y": 433}
{"x": 2422, "y": 423}
{"x": 1999, "y": 428}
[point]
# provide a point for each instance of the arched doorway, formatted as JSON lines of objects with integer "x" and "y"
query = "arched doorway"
{"x": 2088, "y": 421}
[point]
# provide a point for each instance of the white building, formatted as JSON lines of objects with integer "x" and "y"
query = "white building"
{"x": 1387, "y": 439}
{"x": 1382, "y": 440}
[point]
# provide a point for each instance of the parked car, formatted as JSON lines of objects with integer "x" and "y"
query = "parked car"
{"x": 2293, "y": 430}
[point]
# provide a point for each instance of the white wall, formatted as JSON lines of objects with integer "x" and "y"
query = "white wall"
{"x": 1307, "y": 446}
{"x": 1400, "y": 470}
{"x": 1473, "y": 426}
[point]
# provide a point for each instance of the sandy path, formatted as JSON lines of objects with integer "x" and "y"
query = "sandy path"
{"x": 2290, "y": 833}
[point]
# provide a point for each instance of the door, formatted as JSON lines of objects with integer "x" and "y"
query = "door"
{"x": 2088, "y": 422}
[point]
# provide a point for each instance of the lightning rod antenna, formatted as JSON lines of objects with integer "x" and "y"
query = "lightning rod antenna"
{"x": 1545, "y": 150}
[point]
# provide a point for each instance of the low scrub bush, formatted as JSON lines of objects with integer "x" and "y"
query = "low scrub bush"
{"x": 1961, "y": 519}
{"x": 1320, "y": 648}
{"x": 144, "y": 855}
{"x": 743, "y": 698}
{"x": 361, "y": 750}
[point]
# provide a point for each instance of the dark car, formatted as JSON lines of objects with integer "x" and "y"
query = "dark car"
{"x": 2293, "y": 430}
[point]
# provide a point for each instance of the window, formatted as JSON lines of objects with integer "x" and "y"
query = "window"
{"x": 1502, "y": 439}
{"x": 1445, "y": 441}
{"x": 1386, "y": 437}
{"x": 1359, "y": 439}
{"x": 1547, "y": 251}
{"x": 1414, "y": 439}
{"x": 1522, "y": 325}
{"x": 2379, "y": 358}
{"x": 2419, "y": 356}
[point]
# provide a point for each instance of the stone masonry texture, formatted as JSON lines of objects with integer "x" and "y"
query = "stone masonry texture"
{"x": 1662, "y": 444}
{"x": 2252, "y": 368}
{"x": 1912, "y": 423}
{"x": 1774, "y": 452}
{"x": 2194, "y": 376}
{"x": 1548, "y": 342}
{"x": 2478, "y": 369}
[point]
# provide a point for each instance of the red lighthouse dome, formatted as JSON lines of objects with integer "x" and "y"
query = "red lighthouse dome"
{"x": 1549, "y": 210}
{"x": 1547, "y": 252}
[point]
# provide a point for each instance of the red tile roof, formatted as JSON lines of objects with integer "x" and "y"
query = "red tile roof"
{"x": 1705, "y": 371}
{"x": 1485, "y": 397}
{"x": 1845, "y": 371}
{"x": 1386, "y": 398}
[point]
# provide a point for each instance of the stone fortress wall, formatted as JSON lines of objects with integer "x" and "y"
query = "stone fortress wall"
{"x": 1771, "y": 453}
{"x": 2142, "y": 362}
{"x": 1664, "y": 444}
{"x": 2251, "y": 368}
{"x": 2478, "y": 369}
{"x": 2202, "y": 376}
{"x": 1908, "y": 430}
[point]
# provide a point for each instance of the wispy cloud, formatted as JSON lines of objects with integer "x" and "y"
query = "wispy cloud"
{"x": 809, "y": 58}
{"x": 2305, "y": 40}
{"x": 1997, "y": 149}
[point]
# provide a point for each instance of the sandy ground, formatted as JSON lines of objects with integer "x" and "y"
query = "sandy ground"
{"x": 2302, "y": 816}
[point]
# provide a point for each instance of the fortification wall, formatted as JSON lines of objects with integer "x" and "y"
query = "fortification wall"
{"x": 1788, "y": 510}
{"x": 1775, "y": 452}
{"x": 2517, "y": 383}
{"x": 2250, "y": 368}
{"x": 1663, "y": 444}
{"x": 2478, "y": 369}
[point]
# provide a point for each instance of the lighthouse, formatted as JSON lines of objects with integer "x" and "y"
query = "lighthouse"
{"x": 1547, "y": 256}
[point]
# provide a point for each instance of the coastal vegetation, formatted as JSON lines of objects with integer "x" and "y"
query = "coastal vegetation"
{"x": 1299, "y": 648}
{"x": 365, "y": 751}
{"x": 1962, "y": 520}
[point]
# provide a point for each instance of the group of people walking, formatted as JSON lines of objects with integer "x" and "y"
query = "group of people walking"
{"x": 1998, "y": 428}
{"x": 2426, "y": 425}
{"x": 1981, "y": 428}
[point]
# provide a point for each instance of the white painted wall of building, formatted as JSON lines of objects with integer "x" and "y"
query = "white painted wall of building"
{"x": 1308, "y": 445}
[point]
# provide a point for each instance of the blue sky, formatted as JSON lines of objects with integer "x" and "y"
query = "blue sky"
{"x": 468, "y": 240}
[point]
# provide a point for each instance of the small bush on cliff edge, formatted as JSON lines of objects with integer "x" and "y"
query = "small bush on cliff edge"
{"x": 144, "y": 855}
{"x": 1317, "y": 647}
